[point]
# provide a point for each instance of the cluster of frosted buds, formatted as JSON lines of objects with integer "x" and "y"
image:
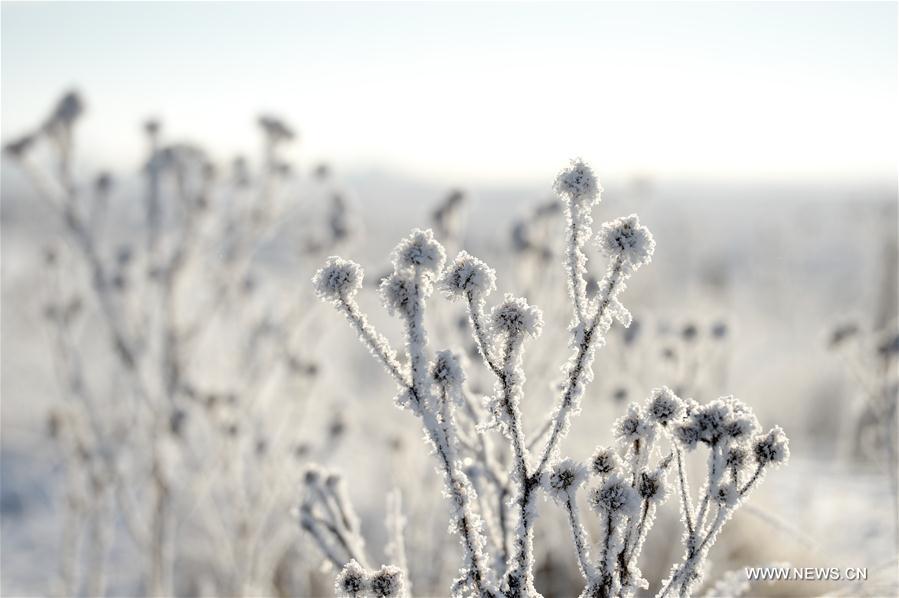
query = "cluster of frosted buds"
{"x": 418, "y": 261}
{"x": 355, "y": 581}
{"x": 625, "y": 498}
{"x": 629, "y": 490}
{"x": 719, "y": 422}
{"x": 729, "y": 429}
{"x": 326, "y": 514}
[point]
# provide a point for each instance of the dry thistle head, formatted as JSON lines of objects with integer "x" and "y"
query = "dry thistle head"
{"x": 447, "y": 371}
{"x": 515, "y": 317}
{"x": 467, "y": 275}
{"x": 563, "y": 479}
{"x": 399, "y": 292}
{"x": 352, "y": 581}
{"x": 727, "y": 494}
{"x": 626, "y": 238}
{"x": 772, "y": 448}
{"x": 387, "y": 582}
{"x": 664, "y": 406}
{"x": 420, "y": 250}
{"x": 338, "y": 279}
{"x": 615, "y": 497}
{"x": 633, "y": 426}
{"x": 604, "y": 461}
{"x": 652, "y": 487}
{"x": 578, "y": 184}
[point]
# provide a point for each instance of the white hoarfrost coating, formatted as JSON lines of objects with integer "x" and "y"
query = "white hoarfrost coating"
{"x": 492, "y": 507}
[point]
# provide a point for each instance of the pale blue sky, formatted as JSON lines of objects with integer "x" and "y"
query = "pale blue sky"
{"x": 502, "y": 91}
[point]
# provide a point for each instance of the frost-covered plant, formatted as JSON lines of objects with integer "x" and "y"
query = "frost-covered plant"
{"x": 172, "y": 354}
{"x": 629, "y": 482}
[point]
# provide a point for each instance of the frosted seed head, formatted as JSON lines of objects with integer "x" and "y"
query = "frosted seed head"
{"x": 446, "y": 370}
{"x": 711, "y": 420}
{"x": 564, "y": 478}
{"x": 736, "y": 457}
{"x": 515, "y": 317}
{"x": 727, "y": 494}
{"x": 664, "y": 406}
{"x": 651, "y": 486}
{"x": 741, "y": 427}
{"x": 420, "y": 250}
{"x": 604, "y": 461}
{"x": 626, "y": 238}
{"x": 634, "y": 426}
{"x": 615, "y": 496}
{"x": 351, "y": 581}
{"x": 773, "y": 448}
{"x": 338, "y": 279}
{"x": 387, "y": 582}
{"x": 577, "y": 183}
{"x": 687, "y": 435}
{"x": 399, "y": 293}
{"x": 468, "y": 275}
{"x": 742, "y": 424}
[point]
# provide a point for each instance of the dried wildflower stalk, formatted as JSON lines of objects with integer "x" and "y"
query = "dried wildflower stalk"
{"x": 155, "y": 446}
{"x": 628, "y": 487}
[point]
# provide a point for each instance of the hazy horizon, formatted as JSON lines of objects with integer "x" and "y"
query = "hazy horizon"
{"x": 779, "y": 92}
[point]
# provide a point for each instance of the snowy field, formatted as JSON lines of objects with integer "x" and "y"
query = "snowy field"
{"x": 777, "y": 266}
